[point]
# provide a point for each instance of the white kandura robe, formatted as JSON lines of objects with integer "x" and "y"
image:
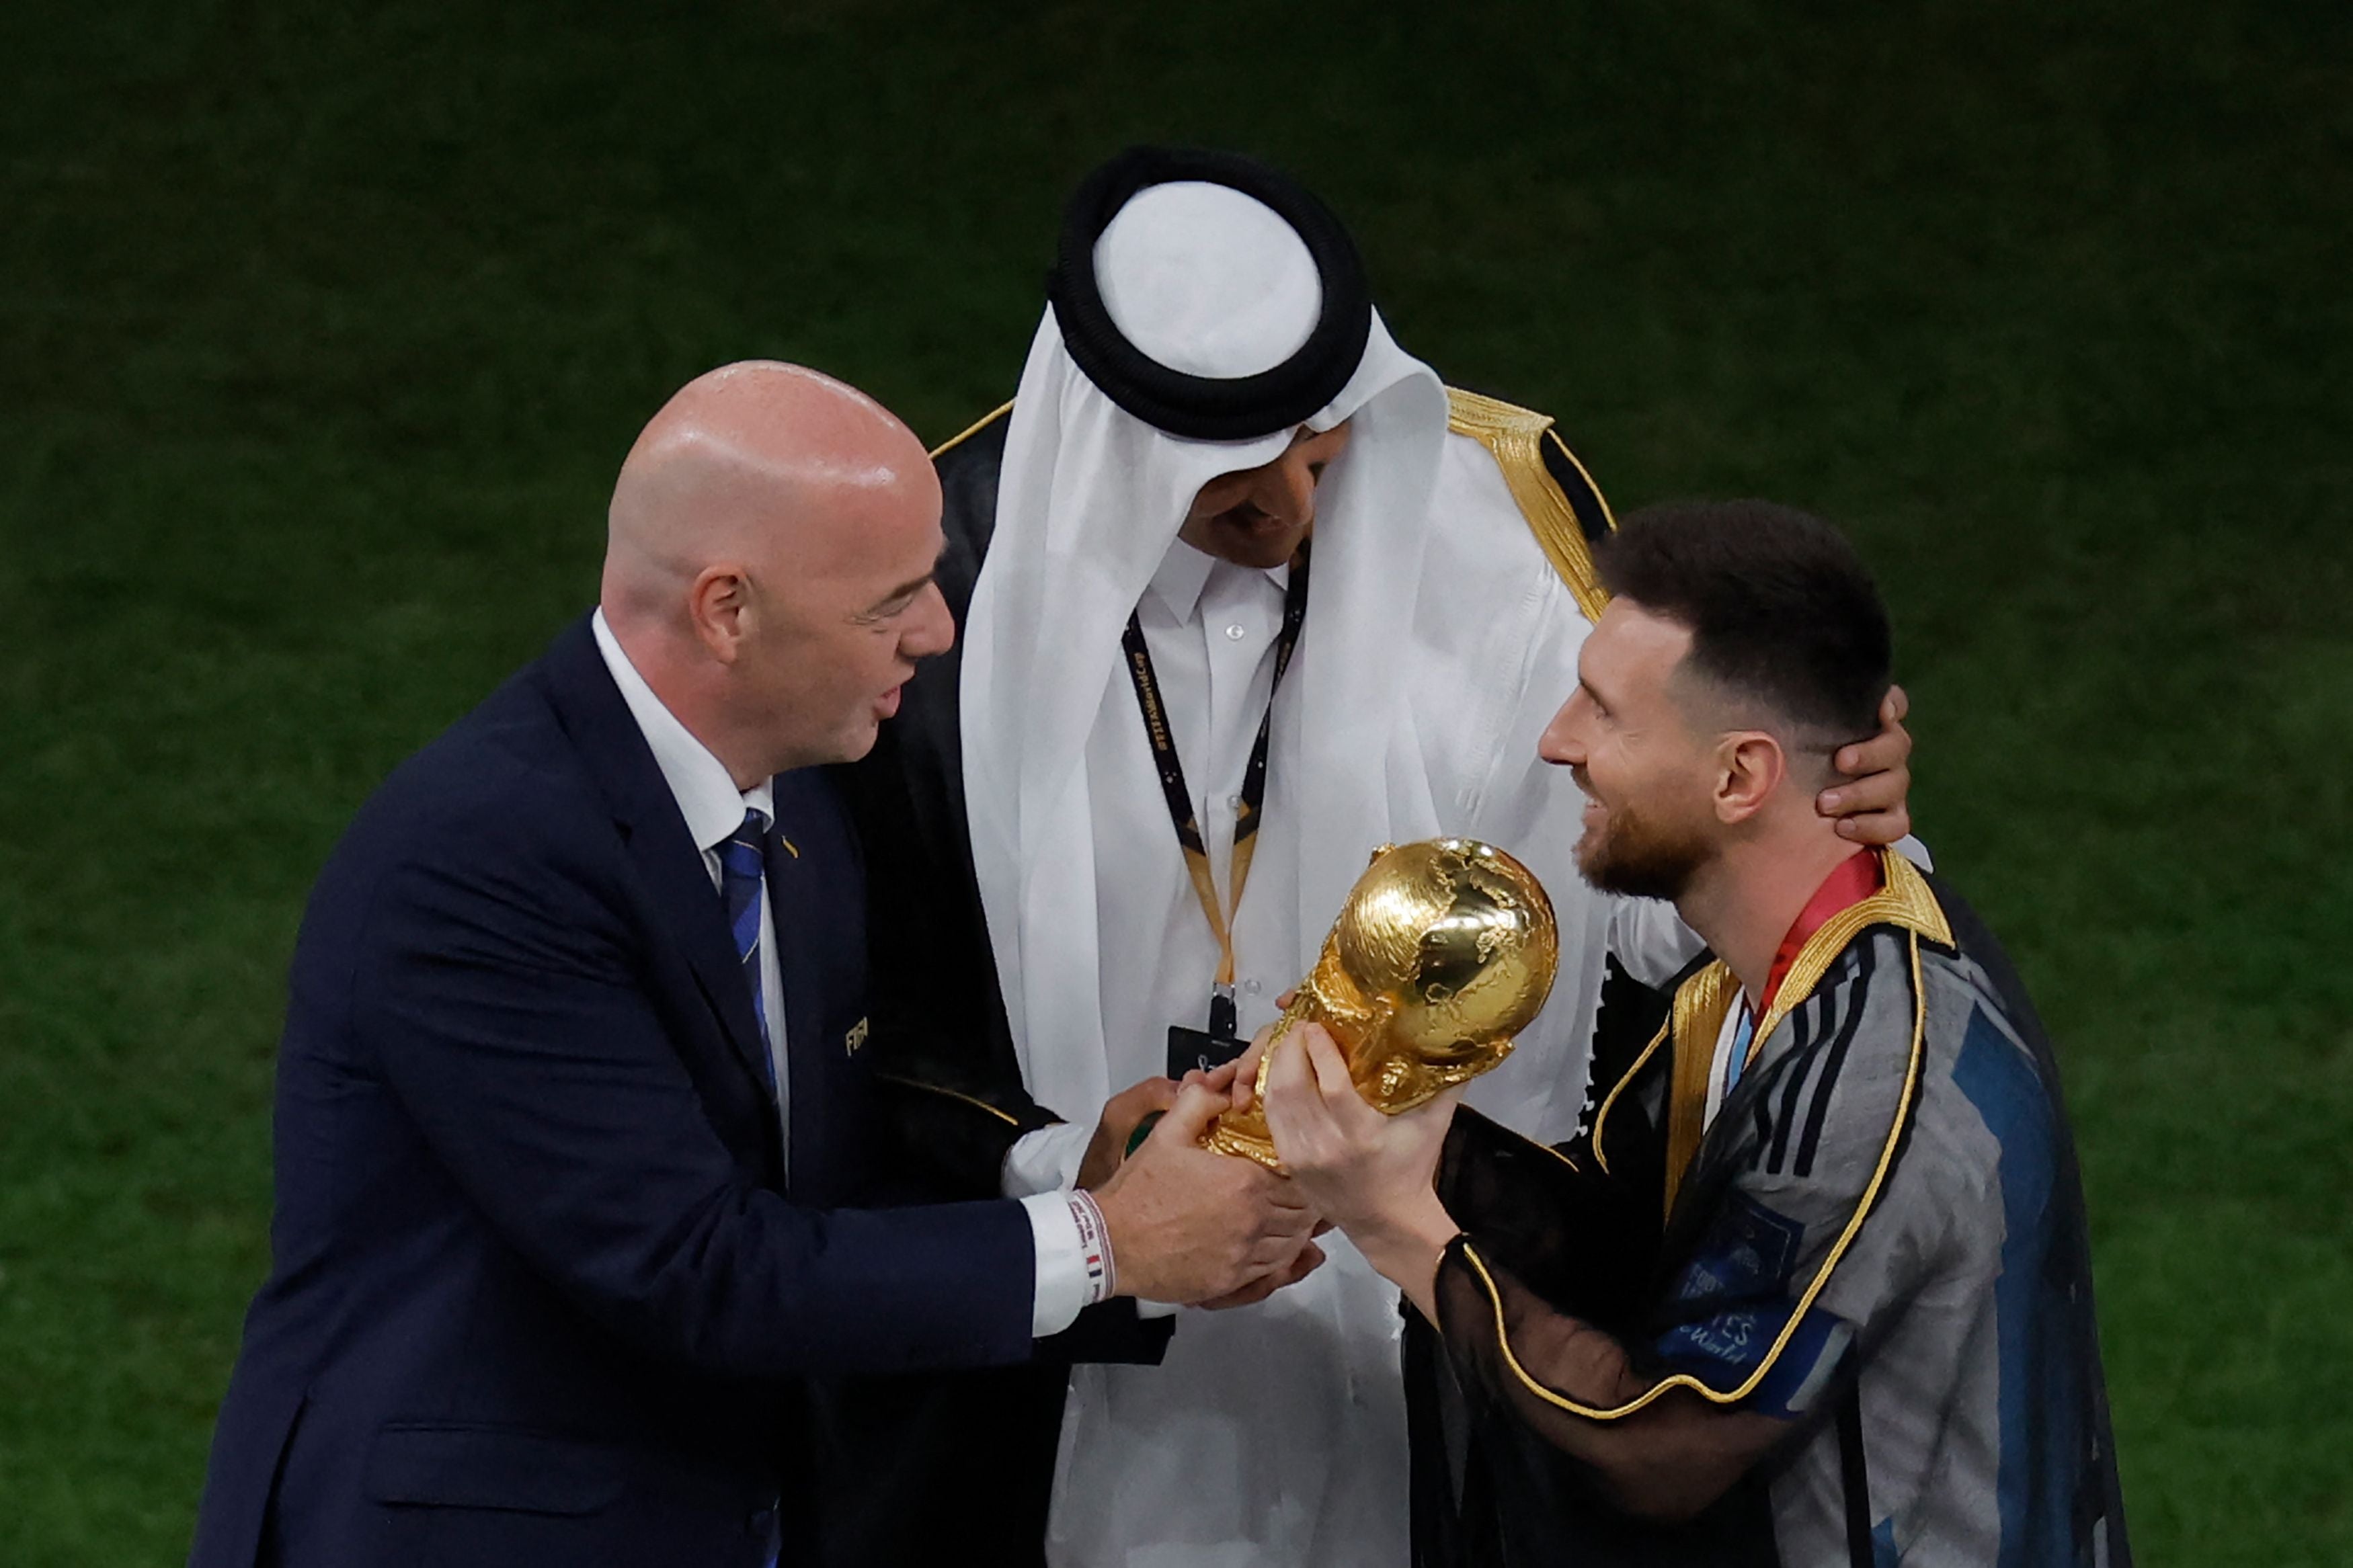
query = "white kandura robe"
{"x": 1275, "y": 1434}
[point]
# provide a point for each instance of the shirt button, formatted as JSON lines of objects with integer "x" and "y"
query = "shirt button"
{"x": 1250, "y": 986}
{"x": 1233, "y": 803}
{"x": 1234, "y": 633}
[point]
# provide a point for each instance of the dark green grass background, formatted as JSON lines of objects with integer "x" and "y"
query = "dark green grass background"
{"x": 325, "y": 326}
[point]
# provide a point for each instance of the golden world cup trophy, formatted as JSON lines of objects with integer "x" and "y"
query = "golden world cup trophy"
{"x": 1444, "y": 951}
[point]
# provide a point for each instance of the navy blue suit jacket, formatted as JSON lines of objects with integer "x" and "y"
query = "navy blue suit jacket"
{"x": 542, "y": 1291}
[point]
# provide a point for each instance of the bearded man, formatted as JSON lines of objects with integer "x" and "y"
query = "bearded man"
{"x": 1813, "y": 1288}
{"x": 1111, "y": 834}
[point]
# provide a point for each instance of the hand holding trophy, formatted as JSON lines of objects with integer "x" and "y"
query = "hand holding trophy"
{"x": 1445, "y": 950}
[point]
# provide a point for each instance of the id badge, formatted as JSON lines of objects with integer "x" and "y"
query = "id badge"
{"x": 1192, "y": 1050}
{"x": 1189, "y": 1049}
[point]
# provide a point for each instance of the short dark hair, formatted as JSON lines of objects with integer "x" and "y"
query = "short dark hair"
{"x": 1780, "y": 608}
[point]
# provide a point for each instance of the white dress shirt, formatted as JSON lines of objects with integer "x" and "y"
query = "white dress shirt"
{"x": 713, "y": 808}
{"x": 1212, "y": 628}
{"x": 1266, "y": 1406}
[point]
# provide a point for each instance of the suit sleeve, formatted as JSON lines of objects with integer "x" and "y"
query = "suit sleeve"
{"x": 508, "y": 1003}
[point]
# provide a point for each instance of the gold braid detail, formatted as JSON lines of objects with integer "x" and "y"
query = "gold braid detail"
{"x": 972, "y": 1099}
{"x": 974, "y": 429}
{"x": 1514, "y": 436}
{"x": 1610, "y": 1098}
{"x": 1906, "y": 902}
{"x": 1701, "y": 1003}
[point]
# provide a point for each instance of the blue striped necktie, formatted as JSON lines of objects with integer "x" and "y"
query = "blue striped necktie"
{"x": 743, "y": 881}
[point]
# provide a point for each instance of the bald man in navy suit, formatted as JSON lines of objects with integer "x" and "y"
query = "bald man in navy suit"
{"x": 571, "y": 1098}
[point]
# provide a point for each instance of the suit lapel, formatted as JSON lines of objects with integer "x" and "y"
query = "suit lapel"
{"x": 675, "y": 874}
{"x": 666, "y": 857}
{"x": 796, "y": 907}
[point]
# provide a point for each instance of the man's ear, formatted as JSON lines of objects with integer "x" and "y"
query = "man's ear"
{"x": 716, "y": 604}
{"x": 1750, "y": 765}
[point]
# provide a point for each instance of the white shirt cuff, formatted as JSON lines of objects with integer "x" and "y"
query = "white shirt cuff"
{"x": 1063, "y": 1285}
{"x": 1046, "y": 1160}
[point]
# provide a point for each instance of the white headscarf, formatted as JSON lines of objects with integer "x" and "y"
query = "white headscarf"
{"x": 1206, "y": 281}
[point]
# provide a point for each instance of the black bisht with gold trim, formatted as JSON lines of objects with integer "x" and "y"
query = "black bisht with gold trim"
{"x": 1860, "y": 1292}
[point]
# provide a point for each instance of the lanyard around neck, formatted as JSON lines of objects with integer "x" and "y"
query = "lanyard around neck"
{"x": 1180, "y": 799}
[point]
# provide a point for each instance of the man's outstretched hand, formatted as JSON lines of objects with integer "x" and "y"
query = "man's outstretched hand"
{"x": 1190, "y": 1226}
{"x": 1872, "y": 806}
{"x": 1371, "y": 1173}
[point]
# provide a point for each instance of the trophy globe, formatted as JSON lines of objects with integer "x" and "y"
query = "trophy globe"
{"x": 1444, "y": 951}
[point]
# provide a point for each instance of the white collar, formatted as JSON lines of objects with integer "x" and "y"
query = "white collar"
{"x": 1185, "y": 572}
{"x": 706, "y": 793}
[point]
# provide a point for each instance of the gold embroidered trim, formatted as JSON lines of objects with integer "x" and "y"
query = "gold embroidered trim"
{"x": 1514, "y": 437}
{"x": 1903, "y": 900}
{"x": 1005, "y": 1116}
{"x": 1552, "y": 434}
{"x": 1561, "y": 1156}
{"x": 1701, "y": 1003}
{"x": 1610, "y": 1098}
{"x": 976, "y": 428}
{"x": 1837, "y": 1249}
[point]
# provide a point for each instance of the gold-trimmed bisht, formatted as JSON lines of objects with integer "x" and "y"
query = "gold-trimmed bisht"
{"x": 956, "y": 1094}
{"x": 1905, "y": 902}
{"x": 1514, "y": 437}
